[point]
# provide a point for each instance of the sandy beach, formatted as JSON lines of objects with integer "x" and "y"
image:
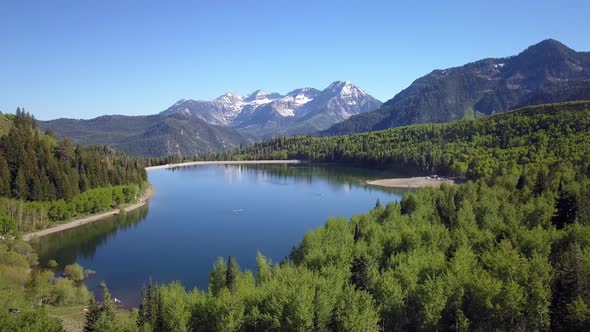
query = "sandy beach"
{"x": 89, "y": 219}
{"x": 415, "y": 182}
{"x": 240, "y": 162}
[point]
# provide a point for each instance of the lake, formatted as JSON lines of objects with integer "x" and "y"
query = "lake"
{"x": 200, "y": 213}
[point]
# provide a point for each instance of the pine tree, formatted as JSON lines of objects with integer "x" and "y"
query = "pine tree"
{"x": 20, "y": 185}
{"x": 572, "y": 282}
{"x": 264, "y": 271}
{"x": 378, "y": 204}
{"x": 92, "y": 315}
{"x": 357, "y": 233}
{"x": 159, "y": 319}
{"x": 540, "y": 184}
{"x": 108, "y": 305}
{"x": 218, "y": 277}
{"x": 152, "y": 295}
{"x": 521, "y": 182}
{"x": 567, "y": 208}
{"x": 233, "y": 270}
{"x": 4, "y": 178}
{"x": 142, "y": 314}
{"x": 360, "y": 272}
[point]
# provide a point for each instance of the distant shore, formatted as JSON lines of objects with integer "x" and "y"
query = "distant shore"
{"x": 143, "y": 200}
{"x": 90, "y": 219}
{"x": 415, "y": 182}
{"x": 240, "y": 162}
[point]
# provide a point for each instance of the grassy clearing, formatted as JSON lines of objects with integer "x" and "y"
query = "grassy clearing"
{"x": 73, "y": 316}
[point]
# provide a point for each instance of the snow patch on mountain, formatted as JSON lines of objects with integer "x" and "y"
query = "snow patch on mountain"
{"x": 339, "y": 100}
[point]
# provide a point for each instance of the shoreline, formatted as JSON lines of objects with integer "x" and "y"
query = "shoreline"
{"x": 413, "y": 182}
{"x": 142, "y": 200}
{"x": 234, "y": 162}
{"x": 91, "y": 218}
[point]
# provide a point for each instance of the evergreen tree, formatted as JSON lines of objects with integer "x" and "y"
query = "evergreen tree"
{"x": 357, "y": 233}
{"x": 102, "y": 317}
{"x": 159, "y": 312}
{"x": 571, "y": 289}
{"x": 142, "y": 315}
{"x": 107, "y": 305}
{"x": 264, "y": 271}
{"x": 4, "y": 178}
{"x": 20, "y": 185}
{"x": 233, "y": 271}
{"x": 151, "y": 307}
{"x": 218, "y": 277}
{"x": 92, "y": 315}
{"x": 409, "y": 204}
{"x": 521, "y": 182}
{"x": 540, "y": 183}
{"x": 359, "y": 271}
{"x": 566, "y": 208}
{"x": 378, "y": 204}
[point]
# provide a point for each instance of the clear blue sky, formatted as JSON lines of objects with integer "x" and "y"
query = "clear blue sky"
{"x": 82, "y": 59}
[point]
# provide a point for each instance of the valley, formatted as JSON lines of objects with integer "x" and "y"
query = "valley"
{"x": 461, "y": 203}
{"x": 191, "y": 127}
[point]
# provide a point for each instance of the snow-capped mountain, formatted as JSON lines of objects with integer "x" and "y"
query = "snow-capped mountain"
{"x": 265, "y": 114}
{"x": 220, "y": 111}
{"x": 260, "y": 97}
{"x": 342, "y": 100}
{"x": 288, "y": 105}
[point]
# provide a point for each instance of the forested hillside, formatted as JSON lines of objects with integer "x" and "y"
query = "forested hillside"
{"x": 154, "y": 135}
{"x": 472, "y": 148}
{"x": 43, "y": 180}
{"x": 508, "y": 250}
{"x": 547, "y": 72}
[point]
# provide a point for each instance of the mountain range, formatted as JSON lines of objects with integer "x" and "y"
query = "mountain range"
{"x": 195, "y": 126}
{"x": 543, "y": 73}
{"x": 547, "y": 72}
{"x": 263, "y": 114}
{"x": 150, "y": 136}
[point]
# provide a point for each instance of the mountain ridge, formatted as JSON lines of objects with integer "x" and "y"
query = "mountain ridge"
{"x": 482, "y": 87}
{"x": 149, "y": 135}
{"x": 268, "y": 114}
{"x": 190, "y": 127}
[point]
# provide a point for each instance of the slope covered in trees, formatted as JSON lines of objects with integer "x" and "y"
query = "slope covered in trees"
{"x": 43, "y": 180}
{"x": 547, "y": 72}
{"x": 472, "y": 148}
{"x": 508, "y": 250}
{"x": 154, "y": 135}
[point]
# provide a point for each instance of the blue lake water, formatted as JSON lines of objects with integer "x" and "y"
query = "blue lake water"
{"x": 203, "y": 212}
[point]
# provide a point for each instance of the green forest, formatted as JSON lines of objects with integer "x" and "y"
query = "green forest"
{"x": 507, "y": 250}
{"x": 43, "y": 180}
{"x": 473, "y": 148}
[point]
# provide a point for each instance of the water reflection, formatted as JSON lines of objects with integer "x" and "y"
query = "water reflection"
{"x": 203, "y": 212}
{"x": 82, "y": 242}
